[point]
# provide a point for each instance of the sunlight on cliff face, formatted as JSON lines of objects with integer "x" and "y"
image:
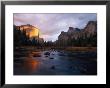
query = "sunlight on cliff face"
{"x": 34, "y": 32}
{"x": 31, "y": 31}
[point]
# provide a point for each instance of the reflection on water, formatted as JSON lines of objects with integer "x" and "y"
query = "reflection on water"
{"x": 30, "y": 65}
{"x": 54, "y": 63}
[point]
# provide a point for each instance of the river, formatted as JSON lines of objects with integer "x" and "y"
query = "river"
{"x": 54, "y": 62}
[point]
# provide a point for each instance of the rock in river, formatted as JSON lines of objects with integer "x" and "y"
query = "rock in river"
{"x": 53, "y": 67}
{"x": 46, "y": 56}
{"x": 46, "y": 53}
{"x": 51, "y": 58}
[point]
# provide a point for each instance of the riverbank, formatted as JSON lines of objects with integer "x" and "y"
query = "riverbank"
{"x": 85, "y": 53}
{"x": 73, "y": 49}
{"x": 82, "y": 49}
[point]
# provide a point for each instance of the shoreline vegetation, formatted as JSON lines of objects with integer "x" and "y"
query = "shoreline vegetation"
{"x": 85, "y": 53}
{"x": 72, "y": 49}
{"x": 82, "y": 49}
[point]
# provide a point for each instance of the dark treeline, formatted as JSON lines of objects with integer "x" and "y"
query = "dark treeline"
{"x": 84, "y": 42}
{"x": 21, "y": 39}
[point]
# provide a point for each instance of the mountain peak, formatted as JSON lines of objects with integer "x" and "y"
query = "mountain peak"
{"x": 71, "y": 30}
{"x": 91, "y": 27}
{"x": 75, "y": 33}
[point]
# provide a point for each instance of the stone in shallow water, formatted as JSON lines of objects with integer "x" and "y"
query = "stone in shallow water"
{"x": 46, "y": 56}
{"x": 46, "y": 53}
{"x": 53, "y": 67}
{"x": 51, "y": 58}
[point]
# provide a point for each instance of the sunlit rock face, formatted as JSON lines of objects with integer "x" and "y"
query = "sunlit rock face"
{"x": 31, "y": 31}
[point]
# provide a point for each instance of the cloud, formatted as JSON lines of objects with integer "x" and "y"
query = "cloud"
{"x": 51, "y": 25}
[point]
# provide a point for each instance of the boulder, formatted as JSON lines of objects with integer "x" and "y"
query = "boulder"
{"x": 53, "y": 67}
{"x": 51, "y": 58}
{"x": 46, "y": 53}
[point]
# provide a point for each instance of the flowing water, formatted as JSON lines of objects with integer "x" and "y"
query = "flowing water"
{"x": 54, "y": 62}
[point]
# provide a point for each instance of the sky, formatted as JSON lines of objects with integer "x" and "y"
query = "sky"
{"x": 50, "y": 25}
